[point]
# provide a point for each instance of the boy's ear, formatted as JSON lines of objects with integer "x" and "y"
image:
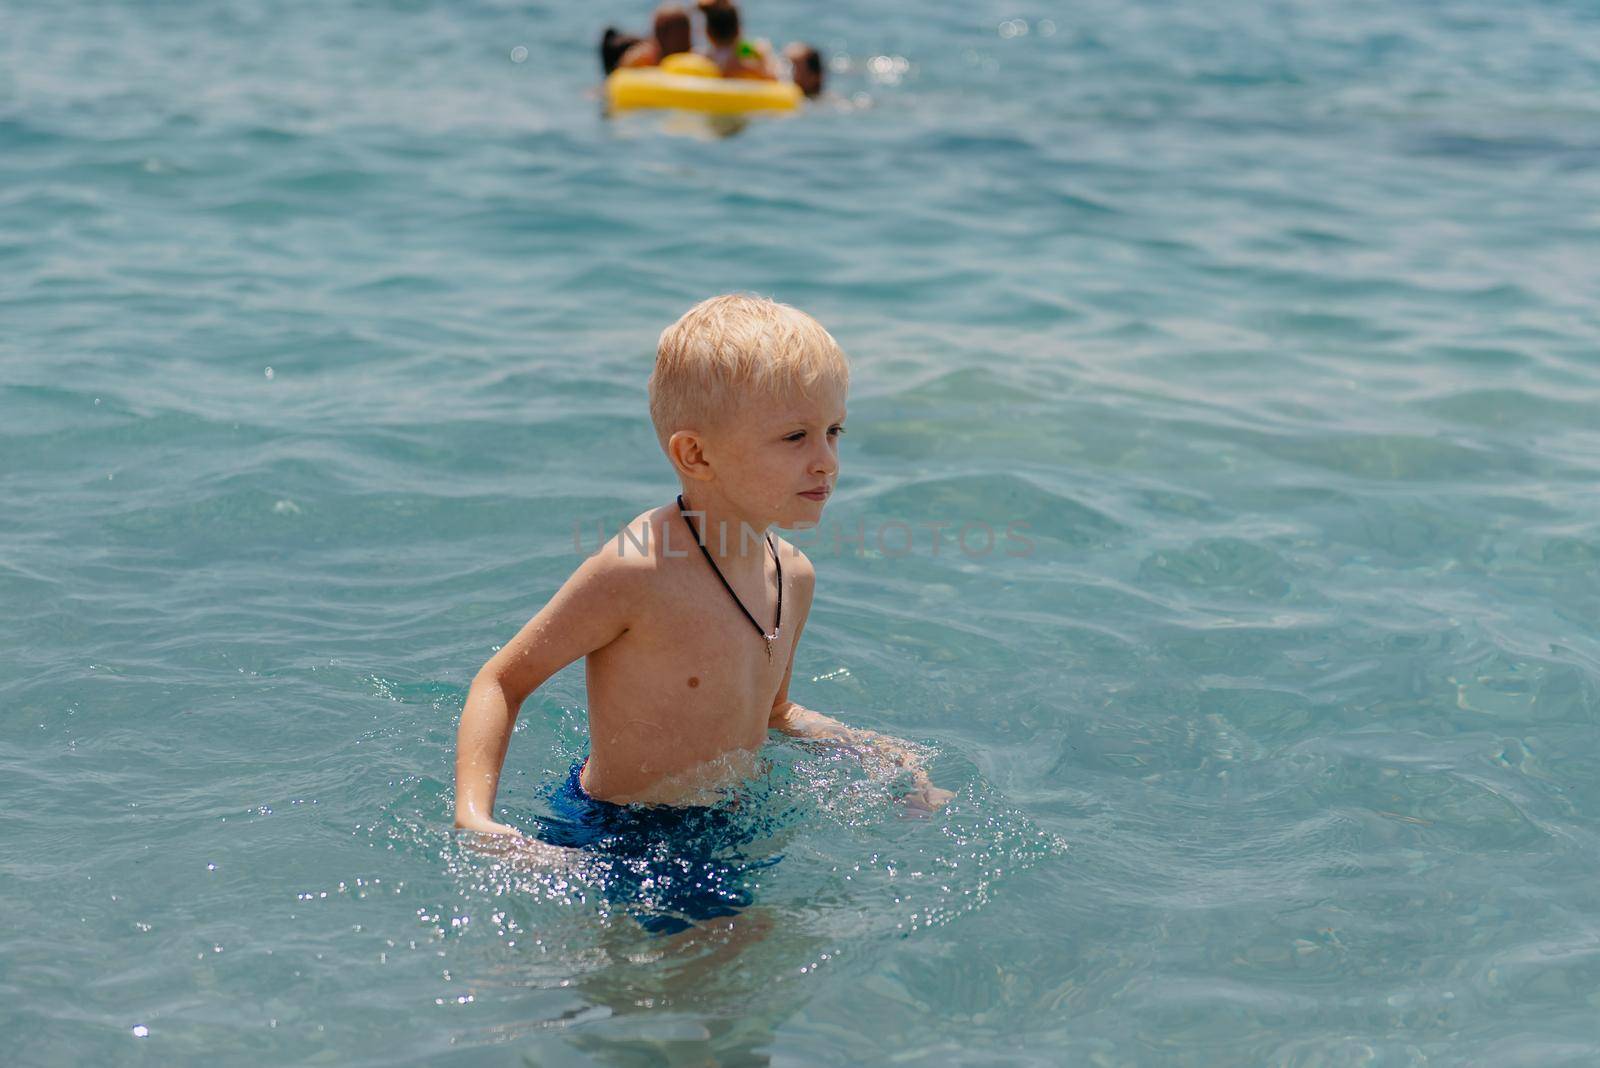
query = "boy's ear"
{"x": 687, "y": 453}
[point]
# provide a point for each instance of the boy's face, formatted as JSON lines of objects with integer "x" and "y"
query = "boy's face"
{"x": 777, "y": 457}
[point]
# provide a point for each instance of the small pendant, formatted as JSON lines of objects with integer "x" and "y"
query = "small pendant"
{"x": 769, "y": 645}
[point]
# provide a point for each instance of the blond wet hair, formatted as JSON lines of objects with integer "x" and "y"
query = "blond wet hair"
{"x": 729, "y": 346}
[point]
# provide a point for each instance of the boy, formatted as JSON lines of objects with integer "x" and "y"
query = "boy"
{"x": 689, "y": 618}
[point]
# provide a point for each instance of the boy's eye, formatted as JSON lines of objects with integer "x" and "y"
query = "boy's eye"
{"x": 799, "y": 435}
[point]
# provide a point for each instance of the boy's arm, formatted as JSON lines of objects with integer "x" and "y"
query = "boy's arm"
{"x": 589, "y": 611}
{"x": 797, "y": 722}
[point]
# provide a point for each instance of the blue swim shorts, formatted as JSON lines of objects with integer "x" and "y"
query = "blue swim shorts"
{"x": 667, "y": 865}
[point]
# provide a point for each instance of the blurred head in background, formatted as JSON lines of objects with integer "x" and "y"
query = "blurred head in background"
{"x": 672, "y": 30}
{"x": 806, "y": 63}
{"x": 722, "y": 21}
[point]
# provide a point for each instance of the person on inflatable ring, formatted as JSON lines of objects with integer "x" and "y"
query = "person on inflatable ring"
{"x": 733, "y": 55}
{"x": 671, "y": 33}
{"x": 741, "y": 58}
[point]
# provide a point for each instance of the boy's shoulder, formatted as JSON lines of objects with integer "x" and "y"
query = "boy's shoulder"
{"x": 795, "y": 562}
{"x": 637, "y": 546}
{"x": 622, "y": 573}
{"x": 798, "y": 570}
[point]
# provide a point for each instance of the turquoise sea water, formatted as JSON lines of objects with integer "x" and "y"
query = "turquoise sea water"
{"x": 1274, "y": 321}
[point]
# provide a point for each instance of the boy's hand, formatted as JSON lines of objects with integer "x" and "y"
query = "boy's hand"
{"x": 874, "y": 749}
{"x": 501, "y": 840}
{"x": 925, "y": 798}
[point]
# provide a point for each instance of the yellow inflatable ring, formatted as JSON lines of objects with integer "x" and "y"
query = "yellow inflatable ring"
{"x": 692, "y": 83}
{"x": 691, "y": 63}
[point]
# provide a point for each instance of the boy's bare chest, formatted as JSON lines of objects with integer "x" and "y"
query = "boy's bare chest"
{"x": 711, "y": 651}
{"x": 695, "y": 671}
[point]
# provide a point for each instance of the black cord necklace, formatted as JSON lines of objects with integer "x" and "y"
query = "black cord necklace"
{"x": 700, "y": 541}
